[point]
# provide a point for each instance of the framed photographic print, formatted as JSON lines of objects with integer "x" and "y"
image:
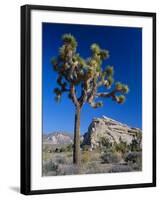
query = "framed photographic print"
{"x": 88, "y": 99}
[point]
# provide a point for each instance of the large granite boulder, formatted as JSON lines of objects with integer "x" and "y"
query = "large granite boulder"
{"x": 108, "y": 128}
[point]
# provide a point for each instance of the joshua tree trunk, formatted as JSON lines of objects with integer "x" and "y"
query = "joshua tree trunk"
{"x": 76, "y": 149}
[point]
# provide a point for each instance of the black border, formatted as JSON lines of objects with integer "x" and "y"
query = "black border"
{"x": 26, "y": 98}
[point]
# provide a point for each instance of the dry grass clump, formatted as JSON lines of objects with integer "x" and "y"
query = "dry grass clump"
{"x": 120, "y": 168}
{"x": 113, "y": 158}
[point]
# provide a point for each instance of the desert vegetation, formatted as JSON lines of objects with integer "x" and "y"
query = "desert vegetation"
{"x": 107, "y": 158}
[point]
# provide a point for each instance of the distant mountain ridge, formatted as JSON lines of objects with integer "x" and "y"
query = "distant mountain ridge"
{"x": 57, "y": 137}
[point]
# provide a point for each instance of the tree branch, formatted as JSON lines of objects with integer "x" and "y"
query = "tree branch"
{"x": 93, "y": 92}
{"x": 95, "y": 104}
{"x": 84, "y": 95}
{"x": 62, "y": 84}
{"x": 73, "y": 95}
{"x": 108, "y": 94}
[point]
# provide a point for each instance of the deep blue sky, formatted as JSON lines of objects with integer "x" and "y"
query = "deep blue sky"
{"x": 125, "y": 47}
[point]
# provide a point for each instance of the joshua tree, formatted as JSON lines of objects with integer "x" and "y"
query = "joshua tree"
{"x": 81, "y": 79}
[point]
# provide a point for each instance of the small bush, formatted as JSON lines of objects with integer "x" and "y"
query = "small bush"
{"x": 86, "y": 147}
{"x": 121, "y": 147}
{"x": 69, "y": 170}
{"x": 136, "y": 166}
{"x": 105, "y": 142}
{"x": 133, "y": 157}
{"x": 69, "y": 154}
{"x": 60, "y": 159}
{"x": 120, "y": 168}
{"x": 135, "y": 145}
{"x": 85, "y": 157}
{"x": 57, "y": 150}
{"x": 62, "y": 149}
{"x": 49, "y": 166}
{"x": 69, "y": 147}
{"x": 111, "y": 157}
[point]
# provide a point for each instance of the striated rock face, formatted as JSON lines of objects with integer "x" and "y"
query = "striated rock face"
{"x": 108, "y": 128}
{"x": 57, "y": 138}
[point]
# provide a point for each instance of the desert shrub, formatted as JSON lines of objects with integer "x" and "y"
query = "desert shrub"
{"x": 50, "y": 173}
{"x": 59, "y": 159}
{"x": 136, "y": 166}
{"x": 133, "y": 157}
{"x": 85, "y": 157}
{"x": 111, "y": 157}
{"x": 54, "y": 169}
{"x": 62, "y": 149}
{"x": 66, "y": 169}
{"x": 120, "y": 168}
{"x": 121, "y": 147}
{"x": 57, "y": 150}
{"x": 69, "y": 154}
{"x": 139, "y": 138}
{"x": 105, "y": 142}
{"x": 95, "y": 155}
{"x": 45, "y": 147}
{"x": 69, "y": 170}
{"x": 47, "y": 156}
{"x": 69, "y": 147}
{"x": 92, "y": 168}
{"x": 86, "y": 147}
{"x": 49, "y": 166}
{"x": 135, "y": 145}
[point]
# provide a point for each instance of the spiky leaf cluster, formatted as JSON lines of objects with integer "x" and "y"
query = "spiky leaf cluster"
{"x": 73, "y": 70}
{"x": 69, "y": 39}
{"x": 122, "y": 88}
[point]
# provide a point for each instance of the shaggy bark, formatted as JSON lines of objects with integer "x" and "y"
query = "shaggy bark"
{"x": 76, "y": 149}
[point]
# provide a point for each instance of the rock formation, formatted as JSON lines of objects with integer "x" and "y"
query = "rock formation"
{"x": 108, "y": 128}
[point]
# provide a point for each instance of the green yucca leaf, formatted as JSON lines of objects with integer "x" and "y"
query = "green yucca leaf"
{"x": 54, "y": 61}
{"x": 110, "y": 80}
{"x": 57, "y": 91}
{"x": 118, "y": 86}
{"x": 68, "y": 38}
{"x": 95, "y": 48}
{"x": 125, "y": 89}
{"x": 121, "y": 99}
{"x": 104, "y": 54}
{"x": 109, "y": 71}
{"x": 99, "y": 104}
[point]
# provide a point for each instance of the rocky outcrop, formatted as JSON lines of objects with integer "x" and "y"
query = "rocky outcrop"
{"x": 108, "y": 128}
{"x": 57, "y": 138}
